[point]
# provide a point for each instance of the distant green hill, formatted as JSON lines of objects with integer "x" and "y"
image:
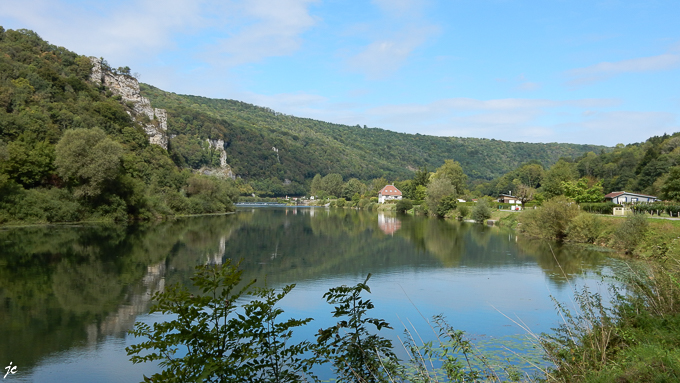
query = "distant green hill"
{"x": 307, "y": 147}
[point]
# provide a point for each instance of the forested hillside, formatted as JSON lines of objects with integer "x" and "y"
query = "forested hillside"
{"x": 306, "y": 147}
{"x": 71, "y": 150}
{"x": 651, "y": 167}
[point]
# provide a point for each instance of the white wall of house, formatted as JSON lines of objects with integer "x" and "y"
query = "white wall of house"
{"x": 383, "y": 198}
{"x": 628, "y": 198}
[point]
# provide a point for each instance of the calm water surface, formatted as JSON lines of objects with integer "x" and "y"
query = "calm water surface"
{"x": 70, "y": 293}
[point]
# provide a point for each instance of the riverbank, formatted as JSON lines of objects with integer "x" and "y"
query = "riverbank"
{"x": 106, "y": 221}
{"x": 634, "y": 338}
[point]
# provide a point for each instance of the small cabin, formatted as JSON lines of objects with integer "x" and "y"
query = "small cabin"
{"x": 507, "y": 198}
{"x": 626, "y": 197}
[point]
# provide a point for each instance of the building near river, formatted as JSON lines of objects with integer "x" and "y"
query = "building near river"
{"x": 508, "y": 198}
{"x": 389, "y": 192}
{"x": 626, "y": 197}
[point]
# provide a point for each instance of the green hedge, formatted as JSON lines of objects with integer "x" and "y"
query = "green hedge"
{"x": 599, "y": 208}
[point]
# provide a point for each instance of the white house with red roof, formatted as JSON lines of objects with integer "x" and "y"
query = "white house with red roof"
{"x": 389, "y": 192}
{"x": 626, "y": 197}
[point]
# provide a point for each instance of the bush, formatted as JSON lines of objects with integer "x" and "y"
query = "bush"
{"x": 585, "y": 228}
{"x": 404, "y": 205}
{"x": 599, "y": 208}
{"x": 463, "y": 211}
{"x": 630, "y": 232}
{"x": 551, "y": 220}
{"x": 481, "y": 212}
{"x": 340, "y": 202}
{"x": 446, "y": 204}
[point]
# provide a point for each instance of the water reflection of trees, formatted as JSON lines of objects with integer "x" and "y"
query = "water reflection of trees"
{"x": 63, "y": 286}
{"x": 560, "y": 262}
{"x": 67, "y": 286}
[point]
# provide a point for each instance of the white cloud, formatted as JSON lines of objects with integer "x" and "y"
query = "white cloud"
{"x": 529, "y": 86}
{"x": 385, "y": 56}
{"x": 116, "y": 31}
{"x": 390, "y": 48}
{"x": 135, "y": 29}
{"x": 469, "y": 104}
{"x": 399, "y": 7}
{"x": 620, "y": 126}
{"x": 270, "y": 29}
{"x": 287, "y": 101}
{"x": 605, "y": 70}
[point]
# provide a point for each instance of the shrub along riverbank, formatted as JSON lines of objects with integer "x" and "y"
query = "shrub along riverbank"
{"x": 636, "y": 338}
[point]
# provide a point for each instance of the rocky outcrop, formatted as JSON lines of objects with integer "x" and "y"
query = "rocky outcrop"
{"x": 156, "y": 125}
{"x": 218, "y": 146}
{"x": 225, "y": 169}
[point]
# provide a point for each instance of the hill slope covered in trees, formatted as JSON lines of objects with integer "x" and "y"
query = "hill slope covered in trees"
{"x": 305, "y": 147}
{"x": 71, "y": 150}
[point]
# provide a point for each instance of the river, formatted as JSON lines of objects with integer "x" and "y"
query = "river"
{"x": 69, "y": 294}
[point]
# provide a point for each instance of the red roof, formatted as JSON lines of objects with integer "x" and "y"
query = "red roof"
{"x": 390, "y": 190}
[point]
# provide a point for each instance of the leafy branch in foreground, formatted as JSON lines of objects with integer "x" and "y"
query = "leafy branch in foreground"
{"x": 356, "y": 354}
{"x": 211, "y": 339}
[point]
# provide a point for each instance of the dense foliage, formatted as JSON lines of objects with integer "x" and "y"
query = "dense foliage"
{"x": 262, "y": 143}
{"x": 651, "y": 167}
{"x": 71, "y": 150}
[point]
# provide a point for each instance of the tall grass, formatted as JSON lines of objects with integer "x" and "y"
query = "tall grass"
{"x": 633, "y": 338}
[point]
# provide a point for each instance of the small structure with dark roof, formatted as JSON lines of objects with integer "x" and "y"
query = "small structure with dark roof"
{"x": 508, "y": 198}
{"x": 626, "y": 197}
{"x": 389, "y": 192}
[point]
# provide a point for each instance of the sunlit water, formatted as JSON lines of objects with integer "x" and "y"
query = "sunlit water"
{"x": 69, "y": 294}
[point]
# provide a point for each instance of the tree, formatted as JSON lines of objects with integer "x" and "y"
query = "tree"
{"x": 671, "y": 188}
{"x": 579, "y": 191}
{"x": 589, "y": 164}
{"x": 524, "y": 192}
{"x": 376, "y": 185}
{"x": 222, "y": 342}
{"x": 438, "y": 189}
{"x": 447, "y": 204}
{"x": 553, "y": 178}
{"x": 352, "y": 187}
{"x": 88, "y": 161}
{"x": 421, "y": 193}
{"x": 28, "y": 164}
{"x": 530, "y": 175}
{"x": 422, "y": 177}
{"x": 452, "y": 171}
{"x": 316, "y": 184}
{"x": 332, "y": 184}
{"x": 357, "y": 355}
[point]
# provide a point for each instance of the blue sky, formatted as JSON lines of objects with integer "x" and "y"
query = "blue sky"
{"x": 600, "y": 72}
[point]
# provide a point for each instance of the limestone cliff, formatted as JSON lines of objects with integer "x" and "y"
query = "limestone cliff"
{"x": 225, "y": 169}
{"x": 128, "y": 88}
